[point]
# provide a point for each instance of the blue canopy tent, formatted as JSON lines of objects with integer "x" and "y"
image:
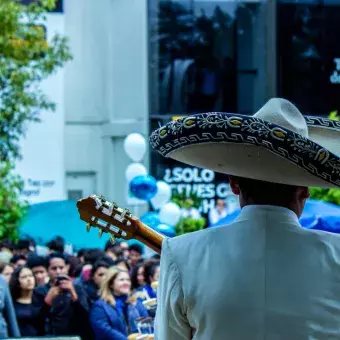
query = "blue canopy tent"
{"x": 46, "y": 220}
{"x": 317, "y": 215}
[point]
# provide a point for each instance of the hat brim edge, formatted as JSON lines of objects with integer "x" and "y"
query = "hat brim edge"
{"x": 215, "y": 128}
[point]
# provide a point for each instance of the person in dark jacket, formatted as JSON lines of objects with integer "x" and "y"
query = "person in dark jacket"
{"x": 151, "y": 274}
{"x": 114, "y": 315}
{"x": 18, "y": 260}
{"x": 62, "y": 306}
{"x": 38, "y": 265}
{"x": 91, "y": 287}
{"x": 8, "y": 320}
{"x": 90, "y": 257}
{"x": 21, "y": 286}
{"x": 137, "y": 276}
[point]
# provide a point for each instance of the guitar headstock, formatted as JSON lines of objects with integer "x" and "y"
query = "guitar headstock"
{"x": 108, "y": 217}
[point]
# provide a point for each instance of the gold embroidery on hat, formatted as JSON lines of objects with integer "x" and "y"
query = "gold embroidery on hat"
{"x": 189, "y": 122}
{"x": 322, "y": 156}
{"x": 163, "y": 132}
{"x": 279, "y": 134}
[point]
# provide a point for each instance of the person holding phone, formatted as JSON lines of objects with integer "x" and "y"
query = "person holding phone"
{"x": 62, "y": 305}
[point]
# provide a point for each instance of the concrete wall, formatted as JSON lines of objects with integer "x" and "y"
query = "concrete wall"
{"x": 106, "y": 92}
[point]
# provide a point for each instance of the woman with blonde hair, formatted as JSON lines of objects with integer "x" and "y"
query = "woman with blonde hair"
{"x": 113, "y": 316}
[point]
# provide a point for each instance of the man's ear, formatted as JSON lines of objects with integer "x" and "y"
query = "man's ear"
{"x": 234, "y": 186}
{"x": 303, "y": 193}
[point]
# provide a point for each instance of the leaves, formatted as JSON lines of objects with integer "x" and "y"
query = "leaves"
{"x": 189, "y": 225}
{"x": 334, "y": 115}
{"x": 26, "y": 59}
{"x": 12, "y": 209}
{"x": 183, "y": 201}
{"x": 322, "y": 194}
{"x": 328, "y": 195}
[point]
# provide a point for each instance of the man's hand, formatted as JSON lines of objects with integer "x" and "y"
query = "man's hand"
{"x": 52, "y": 293}
{"x": 67, "y": 285}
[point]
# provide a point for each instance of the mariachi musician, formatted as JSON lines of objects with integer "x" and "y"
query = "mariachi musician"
{"x": 263, "y": 276}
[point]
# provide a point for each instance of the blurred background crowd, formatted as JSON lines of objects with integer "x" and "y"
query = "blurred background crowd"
{"x": 74, "y": 294}
{"x": 112, "y": 71}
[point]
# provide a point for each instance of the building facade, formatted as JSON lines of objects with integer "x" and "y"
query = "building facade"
{"x": 140, "y": 63}
{"x": 106, "y": 93}
{"x": 232, "y": 56}
{"x": 103, "y": 98}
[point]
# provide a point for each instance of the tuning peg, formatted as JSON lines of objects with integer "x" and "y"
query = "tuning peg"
{"x": 88, "y": 227}
{"x": 112, "y": 239}
{"x": 100, "y": 232}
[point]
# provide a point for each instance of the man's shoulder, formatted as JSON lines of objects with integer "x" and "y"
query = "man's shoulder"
{"x": 228, "y": 234}
{"x": 323, "y": 237}
{"x": 197, "y": 239}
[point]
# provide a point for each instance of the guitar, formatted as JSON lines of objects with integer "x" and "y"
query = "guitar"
{"x": 108, "y": 217}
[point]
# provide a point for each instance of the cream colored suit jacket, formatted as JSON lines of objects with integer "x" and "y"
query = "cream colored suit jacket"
{"x": 261, "y": 277}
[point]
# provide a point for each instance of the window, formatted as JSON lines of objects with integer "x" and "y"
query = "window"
{"x": 80, "y": 184}
{"x": 74, "y": 195}
{"x": 309, "y": 55}
{"x": 204, "y": 56}
{"x": 207, "y": 56}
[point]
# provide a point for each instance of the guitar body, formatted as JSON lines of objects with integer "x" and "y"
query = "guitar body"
{"x": 97, "y": 212}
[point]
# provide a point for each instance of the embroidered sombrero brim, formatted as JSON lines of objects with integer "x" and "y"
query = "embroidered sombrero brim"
{"x": 305, "y": 154}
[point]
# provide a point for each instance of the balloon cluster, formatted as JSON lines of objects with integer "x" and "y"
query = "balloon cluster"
{"x": 147, "y": 188}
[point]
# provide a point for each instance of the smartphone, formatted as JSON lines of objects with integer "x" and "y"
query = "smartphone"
{"x": 60, "y": 278}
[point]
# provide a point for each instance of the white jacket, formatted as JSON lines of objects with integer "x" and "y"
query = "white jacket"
{"x": 261, "y": 277}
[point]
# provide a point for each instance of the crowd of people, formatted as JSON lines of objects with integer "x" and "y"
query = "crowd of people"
{"x": 95, "y": 293}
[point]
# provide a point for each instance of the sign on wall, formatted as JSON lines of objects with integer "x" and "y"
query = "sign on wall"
{"x": 204, "y": 183}
{"x": 42, "y": 165}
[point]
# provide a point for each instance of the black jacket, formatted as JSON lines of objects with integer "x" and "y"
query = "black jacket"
{"x": 63, "y": 317}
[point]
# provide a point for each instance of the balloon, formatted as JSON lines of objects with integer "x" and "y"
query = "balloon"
{"x": 134, "y": 170}
{"x": 143, "y": 187}
{"x": 163, "y": 195}
{"x": 151, "y": 219}
{"x": 170, "y": 214}
{"x": 166, "y": 230}
{"x": 135, "y": 146}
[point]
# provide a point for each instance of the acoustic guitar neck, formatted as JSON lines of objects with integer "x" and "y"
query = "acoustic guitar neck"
{"x": 149, "y": 237}
{"x": 109, "y": 218}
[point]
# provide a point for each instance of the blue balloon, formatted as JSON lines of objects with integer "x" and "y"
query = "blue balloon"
{"x": 166, "y": 230}
{"x": 151, "y": 219}
{"x": 144, "y": 187}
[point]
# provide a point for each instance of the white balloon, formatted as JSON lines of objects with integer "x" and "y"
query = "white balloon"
{"x": 170, "y": 214}
{"x": 134, "y": 170}
{"x": 163, "y": 195}
{"x": 135, "y": 146}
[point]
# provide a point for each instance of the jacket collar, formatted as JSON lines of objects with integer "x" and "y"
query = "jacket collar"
{"x": 269, "y": 212}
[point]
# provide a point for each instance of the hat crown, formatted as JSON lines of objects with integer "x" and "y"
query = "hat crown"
{"x": 282, "y": 112}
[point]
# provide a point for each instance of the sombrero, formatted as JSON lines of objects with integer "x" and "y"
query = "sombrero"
{"x": 277, "y": 144}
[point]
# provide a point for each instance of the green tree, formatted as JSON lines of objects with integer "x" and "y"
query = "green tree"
{"x": 327, "y": 195}
{"x": 12, "y": 209}
{"x": 188, "y": 224}
{"x": 26, "y": 59}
